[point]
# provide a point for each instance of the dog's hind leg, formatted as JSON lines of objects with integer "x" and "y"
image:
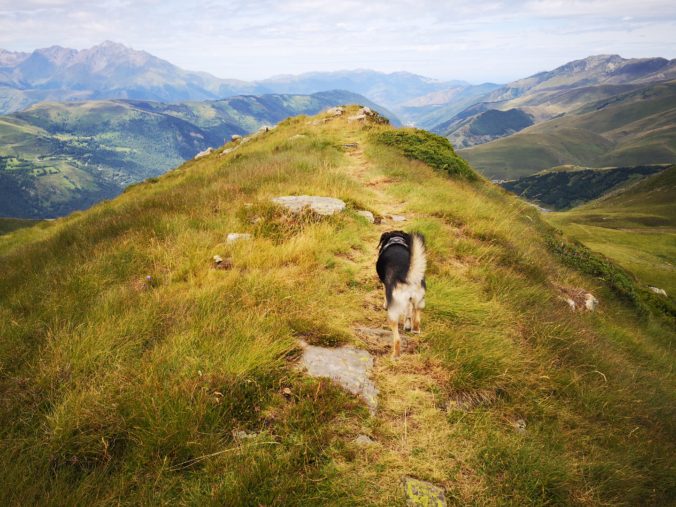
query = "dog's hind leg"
{"x": 409, "y": 314}
{"x": 417, "y": 312}
{"x": 396, "y": 340}
{"x": 384, "y": 297}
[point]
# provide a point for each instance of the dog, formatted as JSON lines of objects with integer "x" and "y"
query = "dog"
{"x": 401, "y": 268}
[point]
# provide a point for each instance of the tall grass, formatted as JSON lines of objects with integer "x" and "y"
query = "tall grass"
{"x": 117, "y": 388}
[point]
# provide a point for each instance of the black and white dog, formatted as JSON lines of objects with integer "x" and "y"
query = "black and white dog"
{"x": 401, "y": 267}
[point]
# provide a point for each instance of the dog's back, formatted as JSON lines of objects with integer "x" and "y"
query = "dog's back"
{"x": 401, "y": 268}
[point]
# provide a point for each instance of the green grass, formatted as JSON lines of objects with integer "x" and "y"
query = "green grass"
{"x": 630, "y": 129}
{"x": 634, "y": 226}
{"x": 119, "y": 390}
{"x": 56, "y": 158}
{"x": 429, "y": 148}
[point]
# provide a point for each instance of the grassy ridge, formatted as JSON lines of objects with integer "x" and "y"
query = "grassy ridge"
{"x": 59, "y": 157}
{"x": 122, "y": 390}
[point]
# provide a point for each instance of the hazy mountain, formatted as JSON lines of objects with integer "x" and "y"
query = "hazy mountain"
{"x": 109, "y": 70}
{"x": 114, "y": 71}
{"x": 59, "y": 157}
{"x": 632, "y": 128}
{"x": 547, "y": 95}
{"x": 391, "y": 90}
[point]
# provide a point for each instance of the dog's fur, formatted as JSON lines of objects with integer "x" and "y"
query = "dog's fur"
{"x": 401, "y": 268}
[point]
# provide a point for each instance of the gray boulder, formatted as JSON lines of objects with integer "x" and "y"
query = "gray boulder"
{"x": 321, "y": 205}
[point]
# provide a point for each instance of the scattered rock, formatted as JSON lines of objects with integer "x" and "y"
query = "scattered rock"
{"x": 657, "y": 290}
{"x": 264, "y": 129}
{"x": 287, "y": 392}
{"x": 351, "y": 146}
{"x": 421, "y": 493}
{"x": 335, "y": 111}
{"x": 520, "y": 426}
{"x": 297, "y": 136}
{"x": 367, "y": 215}
{"x": 203, "y": 153}
{"x": 236, "y": 236}
{"x": 590, "y": 302}
{"x": 320, "y": 205}
{"x": 364, "y": 440}
{"x": 220, "y": 263}
{"x": 226, "y": 151}
{"x": 243, "y": 435}
{"x": 578, "y": 299}
{"x": 347, "y": 366}
{"x": 397, "y": 218}
{"x": 356, "y": 117}
{"x": 235, "y": 137}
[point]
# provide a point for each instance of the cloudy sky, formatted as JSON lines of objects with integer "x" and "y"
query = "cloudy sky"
{"x": 457, "y": 39}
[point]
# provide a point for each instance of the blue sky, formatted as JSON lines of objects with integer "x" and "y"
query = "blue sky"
{"x": 473, "y": 40}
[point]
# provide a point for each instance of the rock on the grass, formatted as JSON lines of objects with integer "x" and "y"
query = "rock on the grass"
{"x": 347, "y": 366}
{"x": 203, "y": 153}
{"x": 235, "y": 137}
{"x": 335, "y": 111}
{"x": 367, "y": 215}
{"x": 420, "y": 493}
{"x": 579, "y": 299}
{"x": 397, "y": 218}
{"x": 658, "y": 291}
{"x": 320, "y": 205}
{"x": 364, "y": 440}
{"x": 237, "y": 236}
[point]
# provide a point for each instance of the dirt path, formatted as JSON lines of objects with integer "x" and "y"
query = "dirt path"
{"x": 411, "y": 420}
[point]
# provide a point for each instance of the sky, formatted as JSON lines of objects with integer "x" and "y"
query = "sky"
{"x": 472, "y": 40}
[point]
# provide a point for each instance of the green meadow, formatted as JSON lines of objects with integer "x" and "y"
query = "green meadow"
{"x": 123, "y": 389}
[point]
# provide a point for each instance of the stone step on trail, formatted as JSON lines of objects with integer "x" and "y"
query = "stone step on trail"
{"x": 321, "y": 205}
{"x": 349, "y": 367}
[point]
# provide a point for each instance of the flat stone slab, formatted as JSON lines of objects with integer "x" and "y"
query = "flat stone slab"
{"x": 347, "y": 366}
{"x": 321, "y": 205}
{"x": 421, "y": 493}
{"x": 397, "y": 218}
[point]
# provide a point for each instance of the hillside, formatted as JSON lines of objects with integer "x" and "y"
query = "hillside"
{"x": 552, "y": 94}
{"x": 565, "y": 187}
{"x": 634, "y": 225}
{"x": 633, "y": 128}
{"x": 59, "y": 157}
{"x": 134, "y": 372}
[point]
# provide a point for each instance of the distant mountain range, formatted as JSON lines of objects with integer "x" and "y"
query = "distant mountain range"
{"x": 59, "y": 157}
{"x": 114, "y": 71}
{"x": 597, "y": 112}
{"x": 551, "y": 94}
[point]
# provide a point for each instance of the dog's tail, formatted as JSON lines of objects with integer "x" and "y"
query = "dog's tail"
{"x": 418, "y": 263}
